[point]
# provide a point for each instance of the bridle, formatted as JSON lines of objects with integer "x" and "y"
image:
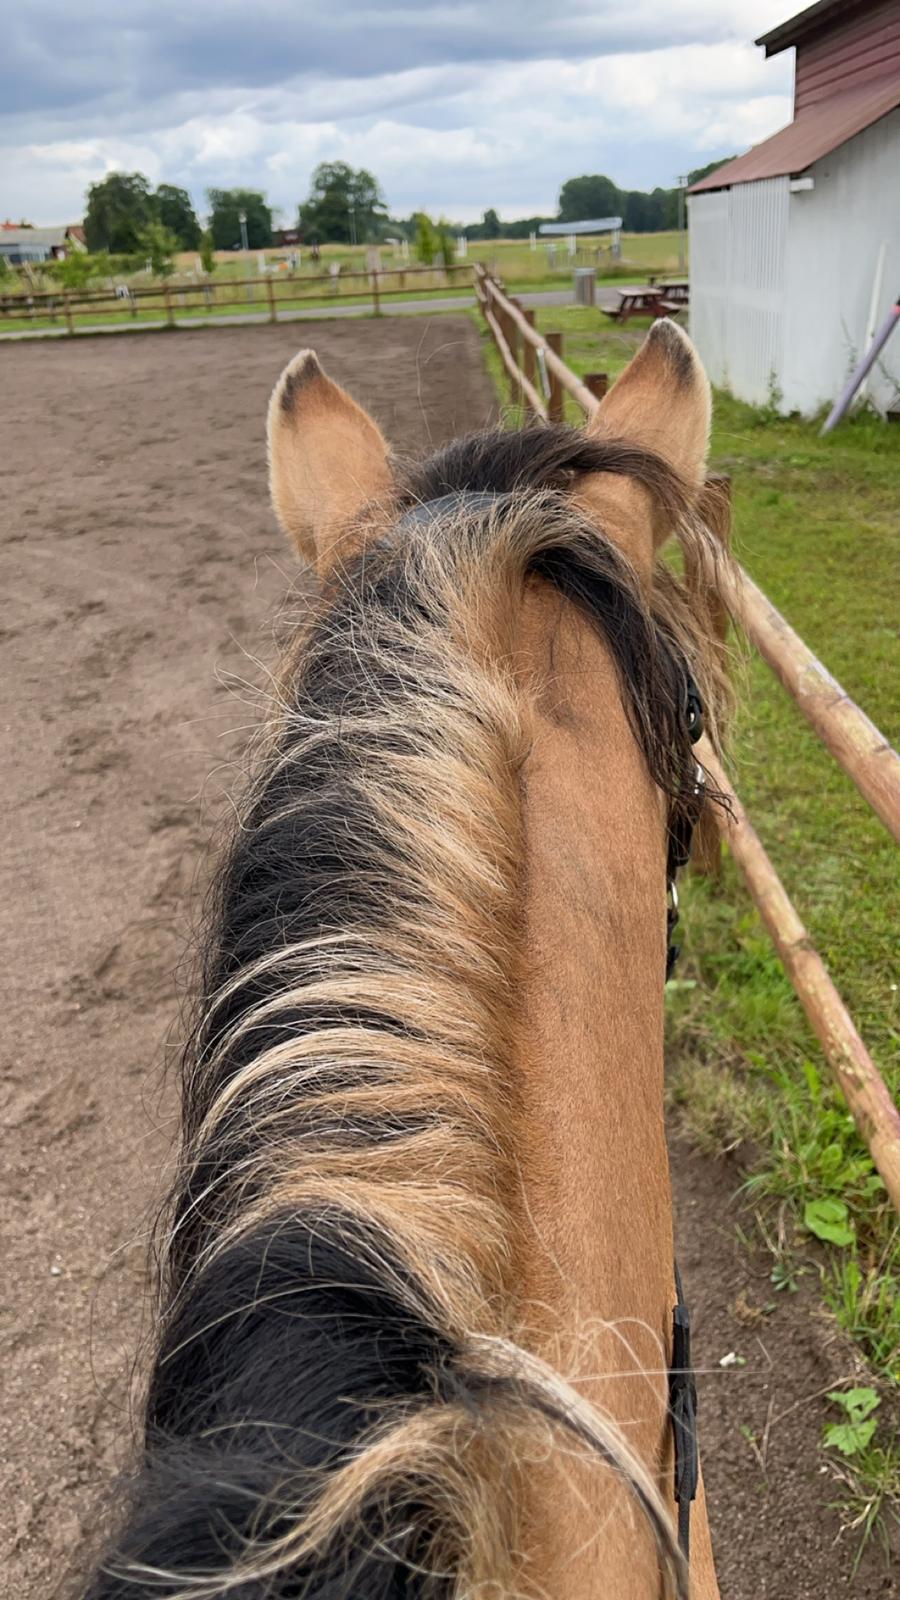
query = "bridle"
{"x": 682, "y": 1387}
{"x": 681, "y": 833}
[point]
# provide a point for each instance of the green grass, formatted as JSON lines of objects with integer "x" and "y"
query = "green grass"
{"x": 870, "y": 1500}
{"x": 521, "y": 268}
{"x": 816, "y": 524}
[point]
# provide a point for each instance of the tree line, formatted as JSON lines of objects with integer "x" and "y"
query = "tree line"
{"x": 592, "y": 197}
{"x": 123, "y": 210}
{"x": 127, "y": 217}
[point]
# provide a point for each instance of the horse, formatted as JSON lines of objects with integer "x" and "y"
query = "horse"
{"x": 417, "y": 1289}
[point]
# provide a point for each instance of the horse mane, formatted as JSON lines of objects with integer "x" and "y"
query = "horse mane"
{"x": 338, "y": 1397}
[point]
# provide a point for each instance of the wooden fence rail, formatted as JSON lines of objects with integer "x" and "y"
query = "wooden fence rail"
{"x": 844, "y": 728}
{"x": 865, "y": 1091}
{"x": 229, "y": 293}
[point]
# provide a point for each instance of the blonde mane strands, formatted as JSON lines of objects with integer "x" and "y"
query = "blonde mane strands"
{"x": 338, "y": 1397}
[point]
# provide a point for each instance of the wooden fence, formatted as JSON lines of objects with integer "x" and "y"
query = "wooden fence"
{"x": 540, "y": 379}
{"x": 177, "y": 299}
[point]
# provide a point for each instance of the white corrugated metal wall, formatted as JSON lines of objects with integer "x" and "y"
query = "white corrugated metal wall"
{"x": 738, "y": 272}
{"x": 836, "y": 233}
{"x": 781, "y": 283}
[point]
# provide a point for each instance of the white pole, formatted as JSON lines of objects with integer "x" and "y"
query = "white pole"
{"x": 682, "y": 225}
{"x": 245, "y": 252}
{"x": 532, "y": 240}
{"x": 873, "y": 313}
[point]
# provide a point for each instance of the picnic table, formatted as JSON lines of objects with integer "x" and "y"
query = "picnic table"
{"x": 648, "y": 300}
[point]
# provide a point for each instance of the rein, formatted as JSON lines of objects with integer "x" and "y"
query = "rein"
{"x": 682, "y": 1387}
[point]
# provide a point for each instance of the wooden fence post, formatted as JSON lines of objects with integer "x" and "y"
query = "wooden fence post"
{"x": 376, "y": 300}
{"x": 556, "y": 402}
{"x": 714, "y": 508}
{"x": 514, "y": 340}
{"x": 529, "y": 359}
{"x": 270, "y": 289}
{"x": 68, "y": 311}
{"x": 597, "y": 382}
{"x": 170, "y": 310}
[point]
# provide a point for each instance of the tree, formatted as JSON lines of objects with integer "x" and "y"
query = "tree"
{"x": 490, "y": 224}
{"x": 523, "y": 226}
{"x": 636, "y": 211}
{"x": 582, "y": 199}
{"x": 174, "y": 210}
{"x": 663, "y": 210}
{"x": 345, "y": 206}
{"x": 704, "y": 172}
{"x": 426, "y": 238}
{"x": 119, "y": 207}
{"x": 158, "y": 244}
{"x": 445, "y": 242}
{"x": 207, "y": 253}
{"x": 226, "y": 206}
{"x": 76, "y": 270}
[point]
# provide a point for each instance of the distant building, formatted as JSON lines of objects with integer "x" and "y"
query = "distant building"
{"x": 598, "y": 225}
{"x": 795, "y": 246}
{"x": 19, "y": 244}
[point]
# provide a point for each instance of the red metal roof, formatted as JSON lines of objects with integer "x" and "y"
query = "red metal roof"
{"x": 860, "y": 47}
{"x": 818, "y": 130}
{"x": 813, "y": 20}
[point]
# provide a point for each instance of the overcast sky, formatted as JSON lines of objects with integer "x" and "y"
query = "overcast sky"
{"x": 453, "y": 107}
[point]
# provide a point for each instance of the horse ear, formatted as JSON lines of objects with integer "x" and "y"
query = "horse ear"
{"x": 327, "y": 458}
{"x": 662, "y": 402}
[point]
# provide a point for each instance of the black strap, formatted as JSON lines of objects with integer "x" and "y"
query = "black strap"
{"x": 683, "y": 1411}
{"x": 681, "y": 831}
{"x": 431, "y": 511}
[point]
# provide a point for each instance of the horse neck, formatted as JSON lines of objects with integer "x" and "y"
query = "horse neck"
{"x": 597, "y": 1272}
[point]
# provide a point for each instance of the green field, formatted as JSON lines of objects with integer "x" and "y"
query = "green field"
{"x": 299, "y": 290}
{"x": 513, "y": 259}
{"x": 816, "y": 524}
{"x": 229, "y": 296}
{"x": 520, "y": 267}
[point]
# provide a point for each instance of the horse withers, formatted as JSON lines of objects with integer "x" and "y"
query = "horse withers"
{"x": 417, "y": 1293}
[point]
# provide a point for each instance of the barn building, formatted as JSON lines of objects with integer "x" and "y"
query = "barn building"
{"x": 795, "y": 246}
{"x": 19, "y": 245}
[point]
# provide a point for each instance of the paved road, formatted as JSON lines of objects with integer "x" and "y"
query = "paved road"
{"x": 545, "y": 297}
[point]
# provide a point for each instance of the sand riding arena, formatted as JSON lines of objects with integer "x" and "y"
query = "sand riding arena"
{"x": 145, "y": 588}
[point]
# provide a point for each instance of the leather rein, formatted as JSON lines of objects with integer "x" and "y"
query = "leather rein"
{"x": 682, "y": 1387}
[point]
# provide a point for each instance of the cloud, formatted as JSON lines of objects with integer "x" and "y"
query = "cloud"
{"x": 456, "y": 108}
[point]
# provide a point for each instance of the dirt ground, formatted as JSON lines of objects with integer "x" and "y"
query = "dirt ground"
{"x": 142, "y": 571}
